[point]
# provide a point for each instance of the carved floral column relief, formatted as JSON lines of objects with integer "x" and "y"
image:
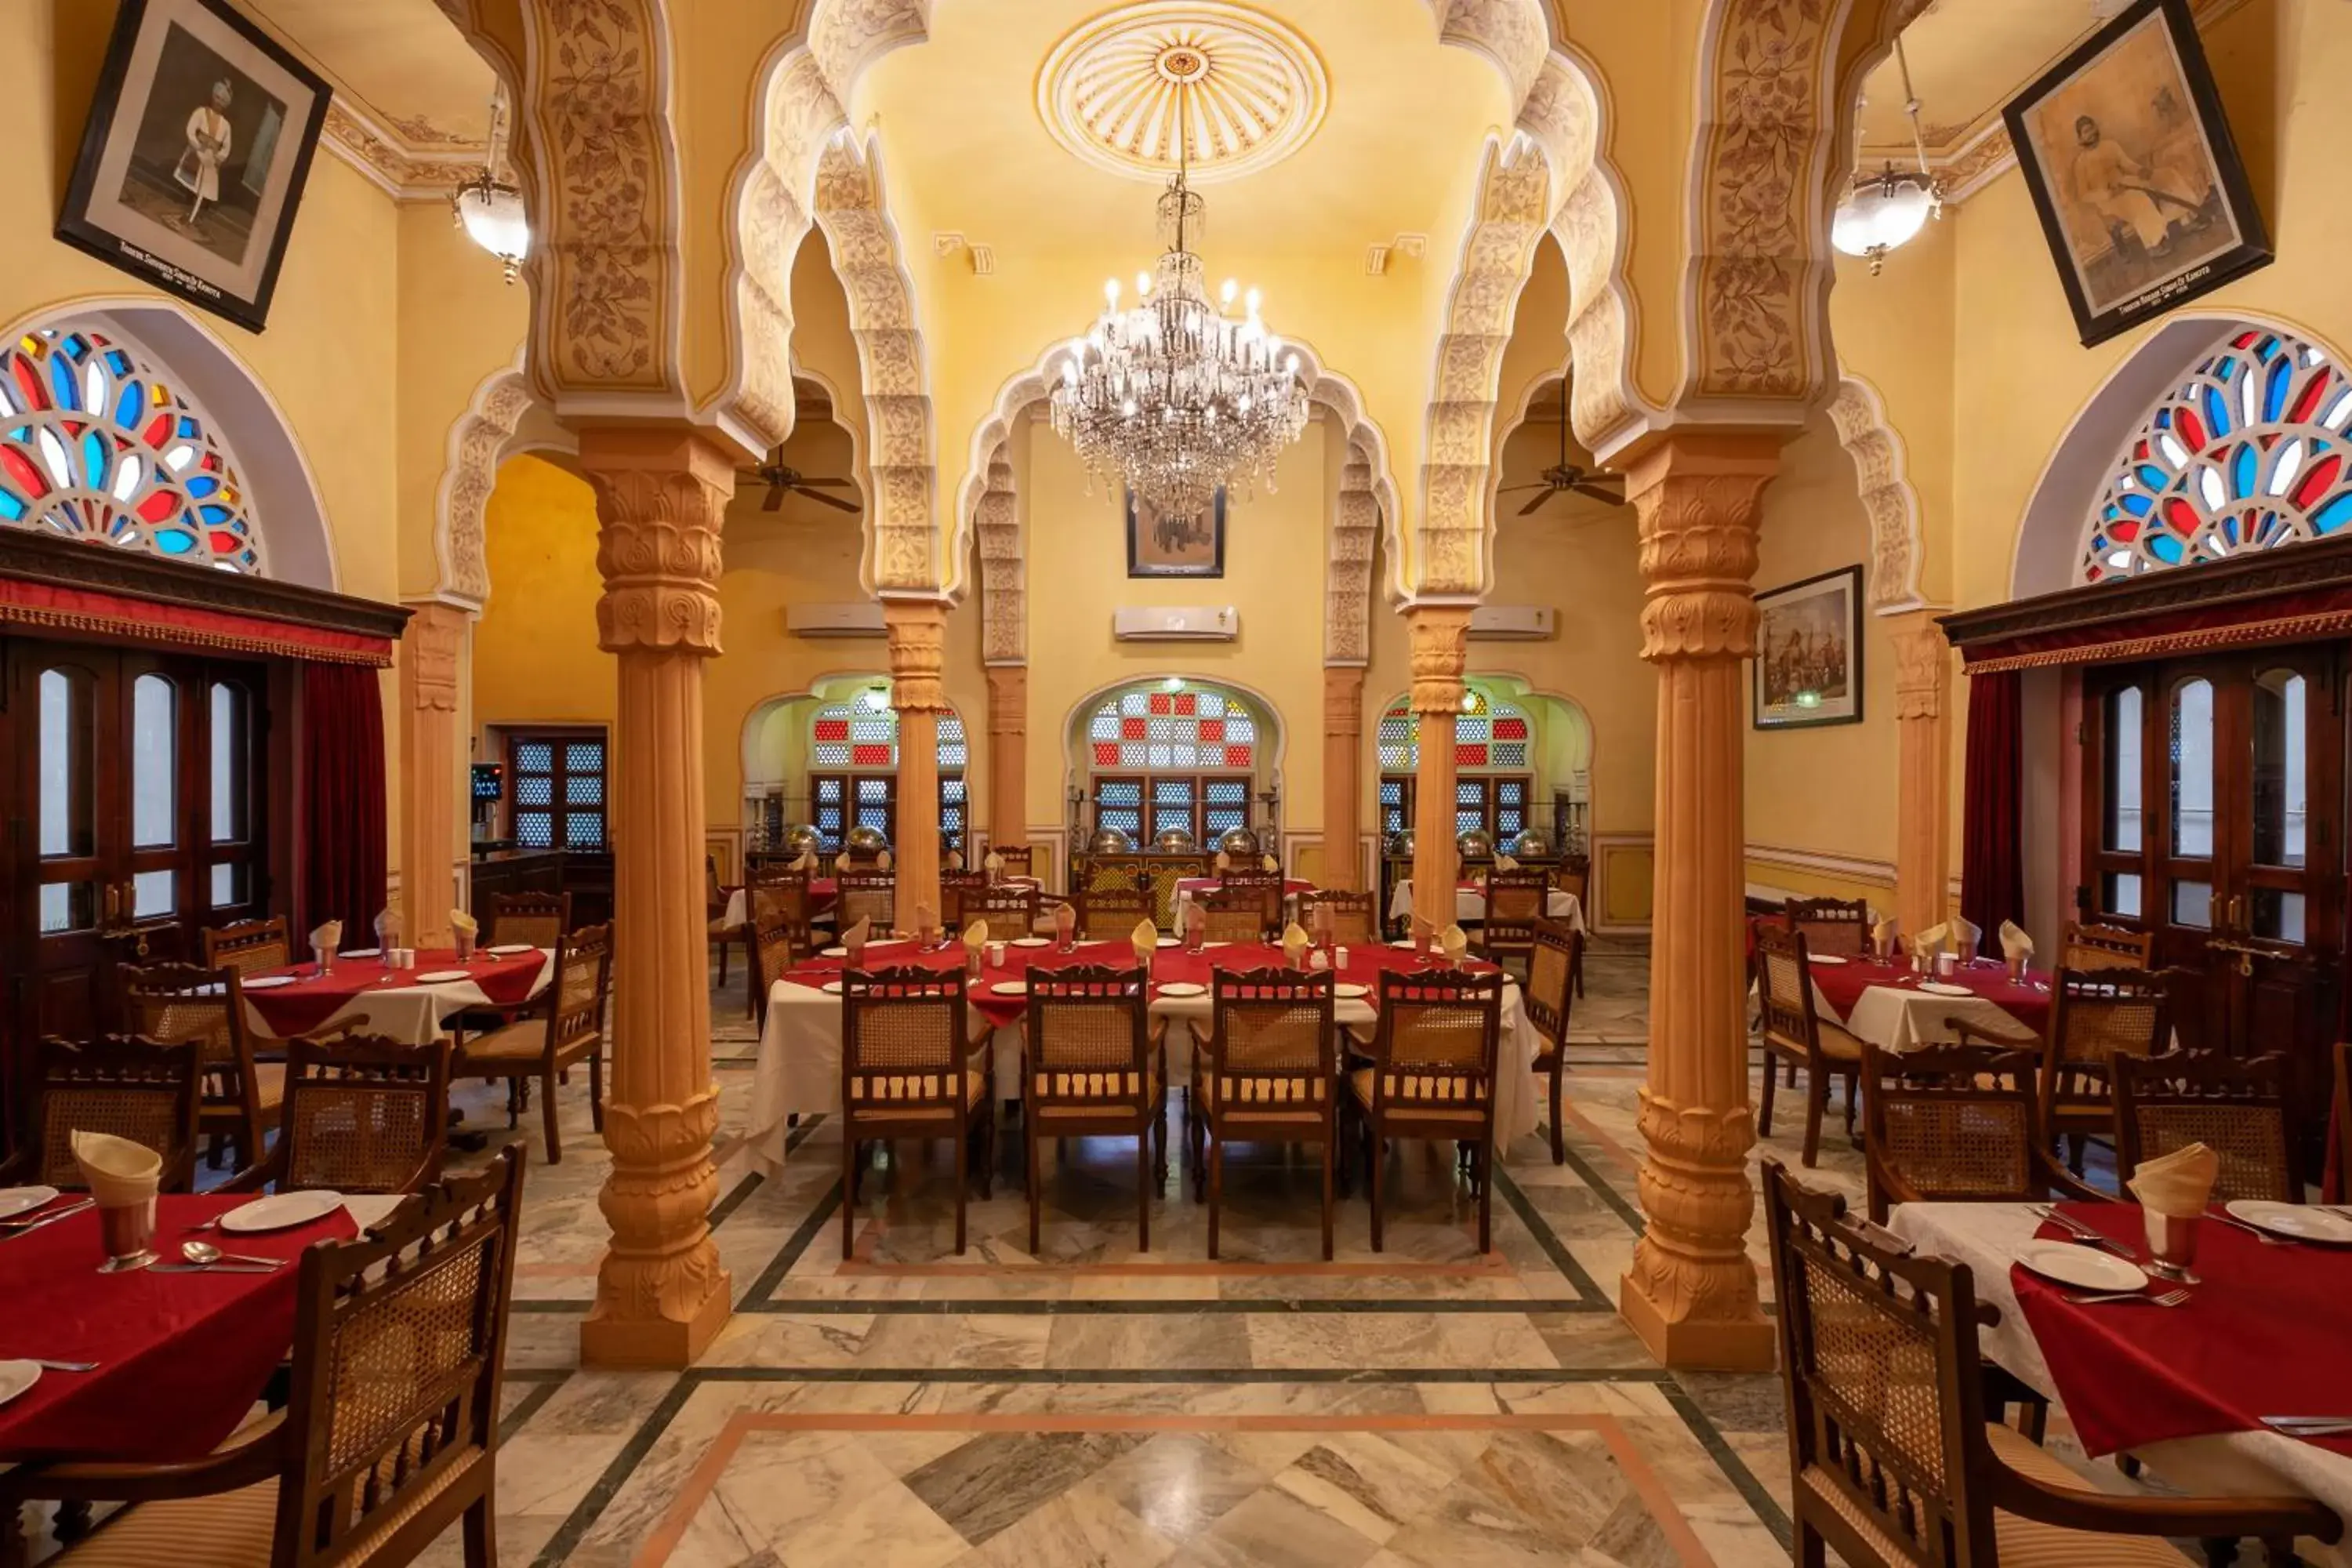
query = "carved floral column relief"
{"x": 917, "y": 629}
{"x": 1441, "y": 648}
{"x": 1008, "y": 756}
{"x": 434, "y": 667}
{"x": 1923, "y": 728}
{"x": 1343, "y": 774}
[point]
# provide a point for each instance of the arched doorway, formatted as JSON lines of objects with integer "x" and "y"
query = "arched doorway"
{"x": 828, "y": 758}
{"x": 1522, "y": 758}
{"x": 1174, "y": 752}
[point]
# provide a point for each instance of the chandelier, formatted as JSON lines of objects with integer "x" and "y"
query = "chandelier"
{"x": 490, "y": 208}
{"x": 1175, "y": 395}
{"x": 1885, "y": 210}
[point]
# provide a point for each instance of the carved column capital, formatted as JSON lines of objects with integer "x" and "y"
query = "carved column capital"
{"x": 917, "y": 629}
{"x": 661, "y": 497}
{"x": 429, "y": 651}
{"x": 1441, "y": 650}
{"x": 1697, "y": 498}
{"x": 1923, "y": 666}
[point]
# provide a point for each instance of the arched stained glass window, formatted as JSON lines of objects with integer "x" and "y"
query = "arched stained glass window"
{"x": 852, "y": 735}
{"x": 1152, "y": 731}
{"x": 95, "y": 445}
{"x": 2247, "y": 453}
{"x": 853, "y": 756}
{"x": 1489, "y": 735}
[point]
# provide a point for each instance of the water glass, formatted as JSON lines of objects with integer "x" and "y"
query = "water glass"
{"x": 2172, "y": 1244}
{"x": 126, "y": 1233}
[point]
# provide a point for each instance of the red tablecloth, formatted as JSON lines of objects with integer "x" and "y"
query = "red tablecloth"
{"x": 1841, "y": 985}
{"x": 182, "y": 1357}
{"x": 296, "y": 1009}
{"x": 2265, "y": 1335}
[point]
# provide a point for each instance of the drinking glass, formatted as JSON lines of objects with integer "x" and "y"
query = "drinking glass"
{"x": 126, "y": 1231}
{"x": 2172, "y": 1244}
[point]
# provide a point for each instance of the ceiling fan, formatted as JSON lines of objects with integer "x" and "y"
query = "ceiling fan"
{"x": 782, "y": 480}
{"x": 1564, "y": 476}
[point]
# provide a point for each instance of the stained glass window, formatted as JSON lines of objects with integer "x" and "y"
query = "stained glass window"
{"x": 1490, "y": 735}
{"x": 95, "y": 445}
{"x": 852, "y": 735}
{"x": 1155, "y": 730}
{"x": 2246, "y": 453}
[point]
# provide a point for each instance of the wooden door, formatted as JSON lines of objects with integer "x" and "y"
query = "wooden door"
{"x": 66, "y": 834}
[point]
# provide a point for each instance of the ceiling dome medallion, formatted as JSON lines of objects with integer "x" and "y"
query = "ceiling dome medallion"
{"x": 1251, "y": 89}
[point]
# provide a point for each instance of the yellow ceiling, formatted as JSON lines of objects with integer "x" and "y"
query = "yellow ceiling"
{"x": 401, "y": 58}
{"x": 1968, "y": 58}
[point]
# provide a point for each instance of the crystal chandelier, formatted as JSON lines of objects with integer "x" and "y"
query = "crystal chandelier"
{"x": 1174, "y": 394}
{"x": 1885, "y": 210}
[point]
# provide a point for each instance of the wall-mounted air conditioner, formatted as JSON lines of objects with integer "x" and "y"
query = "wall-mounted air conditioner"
{"x": 834, "y": 620}
{"x": 1189, "y": 623}
{"x": 1510, "y": 623}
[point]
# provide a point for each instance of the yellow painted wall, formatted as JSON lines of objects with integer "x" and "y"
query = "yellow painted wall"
{"x": 535, "y": 656}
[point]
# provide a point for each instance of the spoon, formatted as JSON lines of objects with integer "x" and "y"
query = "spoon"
{"x": 204, "y": 1252}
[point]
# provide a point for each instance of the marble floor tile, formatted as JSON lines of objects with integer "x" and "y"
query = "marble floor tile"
{"x": 988, "y": 1484}
{"x": 1274, "y": 1529}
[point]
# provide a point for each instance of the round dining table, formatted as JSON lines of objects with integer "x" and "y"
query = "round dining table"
{"x": 410, "y": 1005}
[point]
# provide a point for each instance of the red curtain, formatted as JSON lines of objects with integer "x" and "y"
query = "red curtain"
{"x": 1992, "y": 863}
{"x": 341, "y": 847}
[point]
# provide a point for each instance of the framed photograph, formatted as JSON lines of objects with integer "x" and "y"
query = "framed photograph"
{"x": 192, "y": 159}
{"x": 1809, "y": 653}
{"x": 1161, "y": 545}
{"x": 2129, "y": 158}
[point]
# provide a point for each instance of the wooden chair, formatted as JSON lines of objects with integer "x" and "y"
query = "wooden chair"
{"x": 1573, "y": 876}
{"x": 390, "y": 1430}
{"x": 774, "y": 948}
{"x": 1795, "y": 1035}
{"x": 2088, "y": 948}
{"x": 775, "y": 895}
{"x": 247, "y": 946}
{"x": 539, "y": 919}
{"x": 1957, "y": 1124}
{"x": 174, "y": 1002}
{"x": 1010, "y": 909}
{"x": 362, "y": 1114}
{"x": 723, "y": 934}
{"x": 1840, "y": 927}
{"x": 867, "y": 896}
{"x": 1110, "y": 914}
{"x": 1233, "y": 914}
{"x": 563, "y": 1026}
{"x": 137, "y": 1088}
{"x": 1893, "y": 1460}
{"x": 1432, "y": 1076}
{"x": 2094, "y": 1018}
{"x": 957, "y": 888}
{"x": 909, "y": 1070}
{"x": 1257, "y": 882}
{"x": 1551, "y": 971}
{"x": 1355, "y": 917}
{"x": 1090, "y": 1068}
{"x": 1016, "y": 858}
{"x": 2236, "y": 1106}
{"x": 1519, "y": 896}
{"x": 1264, "y": 1073}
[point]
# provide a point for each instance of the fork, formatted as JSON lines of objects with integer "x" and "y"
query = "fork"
{"x": 62, "y": 1365}
{"x": 2257, "y": 1232}
{"x": 2170, "y": 1299}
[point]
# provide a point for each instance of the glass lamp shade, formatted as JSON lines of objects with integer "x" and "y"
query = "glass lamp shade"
{"x": 494, "y": 219}
{"x": 1881, "y": 214}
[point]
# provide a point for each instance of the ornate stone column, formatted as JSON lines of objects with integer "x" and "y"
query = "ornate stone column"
{"x": 918, "y": 634}
{"x": 661, "y": 496}
{"x": 1440, "y": 646}
{"x": 433, "y": 794}
{"x": 1691, "y": 1292}
{"x": 1343, "y": 774}
{"x": 1008, "y": 757}
{"x": 1923, "y": 865}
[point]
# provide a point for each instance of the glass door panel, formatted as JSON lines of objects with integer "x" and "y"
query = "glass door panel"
{"x": 2188, "y": 802}
{"x": 66, "y": 789}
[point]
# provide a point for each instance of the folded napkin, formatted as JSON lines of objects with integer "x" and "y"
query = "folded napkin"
{"x": 1224, "y": 861}
{"x": 331, "y": 935}
{"x": 1294, "y": 943}
{"x": 2177, "y": 1185}
{"x": 807, "y": 861}
{"x": 853, "y": 941}
{"x": 1269, "y": 864}
{"x": 1931, "y": 941}
{"x": 2014, "y": 943}
{"x": 1505, "y": 863}
{"x": 841, "y": 863}
{"x": 975, "y": 935}
{"x": 387, "y": 928}
{"x": 882, "y": 861}
{"x": 926, "y": 924}
{"x": 993, "y": 866}
{"x": 1146, "y": 937}
{"x": 1882, "y": 935}
{"x": 1453, "y": 943}
{"x": 460, "y": 922}
{"x": 1966, "y": 936}
{"x": 1424, "y": 935}
{"x": 118, "y": 1172}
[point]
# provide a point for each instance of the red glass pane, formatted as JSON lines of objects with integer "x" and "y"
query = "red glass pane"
{"x": 835, "y": 729}
{"x": 2123, "y": 532}
{"x": 1510, "y": 729}
{"x": 1106, "y": 753}
{"x": 1133, "y": 728}
{"x": 1213, "y": 732}
{"x": 1468, "y": 756}
{"x": 1237, "y": 756}
{"x": 875, "y": 754}
{"x": 227, "y": 544}
{"x": 34, "y": 391}
{"x": 2192, "y": 430}
{"x": 2182, "y": 518}
{"x": 2316, "y": 483}
{"x": 20, "y": 469}
{"x": 158, "y": 431}
{"x": 1187, "y": 703}
{"x": 2314, "y": 384}
{"x": 1161, "y": 702}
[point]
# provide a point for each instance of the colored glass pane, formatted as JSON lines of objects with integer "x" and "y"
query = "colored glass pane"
{"x": 873, "y": 756}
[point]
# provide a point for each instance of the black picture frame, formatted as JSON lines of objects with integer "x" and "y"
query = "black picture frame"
{"x": 2128, "y": 240}
{"x": 143, "y": 155}
{"x": 1781, "y": 694}
{"x": 1141, "y": 514}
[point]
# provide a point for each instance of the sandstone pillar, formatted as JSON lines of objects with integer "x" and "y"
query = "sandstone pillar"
{"x": 661, "y": 496}
{"x": 1441, "y": 646}
{"x": 918, "y": 634}
{"x": 435, "y": 798}
{"x": 1923, "y": 866}
{"x": 1691, "y": 1292}
{"x": 1008, "y": 757}
{"x": 1343, "y": 774}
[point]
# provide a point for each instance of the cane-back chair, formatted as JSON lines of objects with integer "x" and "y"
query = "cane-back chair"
{"x": 1431, "y": 1075}
{"x": 1009, "y": 908}
{"x": 956, "y": 890}
{"x": 535, "y": 920}
{"x": 1551, "y": 973}
{"x": 1264, "y": 1073}
{"x": 871, "y": 896}
{"x": 1957, "y": 1124}
{"x": 132, "y": 1088}
{"x": 2235, "y": 1106}
{"x": 774, "y": 949}
{"x": 564, "y": 1025}
{"x": 2094, "y": 1018}
{"x": 248, "y": 947}
{"x": 1012, "y": 860}
{"x": 1108, "y": 914}
{"x": 1574, "y": 878}
{"x": 362, "y": 1114}
{"x": 180, "y": 1002}
{"x": 776, "y": 892}
{"x": 1519, "y": 896}
{"x": 1893, "y": 1460}
{"x": 909, "y": 1069}
{"x": 2086, "y": 948}
{"x": 1354, "y": 917}
{"x": 1258, "y": 882}
{"x": 1796, "y": 1035}
{"x": 722, "y": 932}
{"x": 1090, "y": 1068}
{"x": 391, "y": 1429}
{"x": 1837, "y": 926}
{"x": 1234, "y": 915}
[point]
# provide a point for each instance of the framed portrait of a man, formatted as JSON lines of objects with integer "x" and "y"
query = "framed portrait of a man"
{"x": 2127, "y": 150}
{"x": 194, "y": 154}
{"x": 1164, "y": 545}
{"x": 1809, "y": 653}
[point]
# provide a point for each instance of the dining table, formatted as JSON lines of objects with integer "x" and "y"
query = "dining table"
{"x": 1191, "y": 888}
{"x": 1897, "y": 1010}
{"x": 798, "y": 1070}
{"x": 823, "y": 893}
{"x": 410, "y": 1005}
{"x": 1470, "y": 903}
{"x": 181, "y": 1357}
{"x": 2182, "y": 1388}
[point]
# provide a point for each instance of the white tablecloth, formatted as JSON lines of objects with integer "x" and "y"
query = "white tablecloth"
{"x": 413, "y": 1014}
{"x": 1902, "y": 1019}
{"x": 1987, "y": 1237}
{"x": 1470, "y": 905}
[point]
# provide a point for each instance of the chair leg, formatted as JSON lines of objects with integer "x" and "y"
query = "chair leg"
{"x": 1817, "y": 1101}
{"x": 596, "y": 1090}
{"x": 1764, "y": 1104}
{"x": 1142, "y": 1192}
{"x": 481, "y": 1534}
{"x": 849, "y": 1193}
{"x": 1330, "y": 1184}
{"x": 1216, "y": 1185}
{"x": 514, "y": 1103}
{"x": 963, "y": 1180}
{"x": 1558, "y": 1139}
{"x": 1029, "y": 1137}
{"x": 1372, "y": 1173}
{"x": 547, "y": 1113}
{"x": 723, "y": 945}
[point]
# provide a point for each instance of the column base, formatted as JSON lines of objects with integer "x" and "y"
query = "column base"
{"x": 1745, "y": 1344}
{"x": 617, "y": 1341}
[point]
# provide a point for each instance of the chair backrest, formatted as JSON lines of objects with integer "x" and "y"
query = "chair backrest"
{"x": 174, "y": 1002}
{"x": 2236, "y": 1106}
{"x": 714, "y": 896}
{"x": 539, "y": 919}
{"x": 903, "y": 1041}
{"x": 1949, "y": 1124}
{"x": 2095, "y": 1018}
{"x": 1105, "y": 915}
{"x": 1551, "y": 979}
{"x": 1434, "y": 1049}
{"x": 1572, "y": 876}
{"x": 867, "y": 896}
{"x": 956, "y": 890}
{"x": 1878, "y": 1352}
{"x": 1089, "y": 1037}
{"x": 1837, "y": 926}
{"x": 1784, "y": 989}
{"x": 1273, "y": 1041}
{"x": 247, "y": 946}
{"x": 2092, "y": 947}
{"x": 1232, "y": 914}
{"x": 577, "y": 989}
{"x": 1354, "y": 917}
{"x": 775, "y": 947}
{"x": 1015, "y": 858}
{"x": 362, "y": 1113}
{"x": 1258, "y": 883}
{"x": 776, "y": 893}
{"x": 1010, "y": 910}
{"x": 137, "y": 1088}
{"x": 398, "y": 1340}
{"x": 1517, "y": 898}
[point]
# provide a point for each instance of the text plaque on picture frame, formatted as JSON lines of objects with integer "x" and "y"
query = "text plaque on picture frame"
{"x": 1809, "y": 652}
{"x": 2129, "y": 154}
{"x": 1161, "y": 545}
{"x": 194, "y": 155}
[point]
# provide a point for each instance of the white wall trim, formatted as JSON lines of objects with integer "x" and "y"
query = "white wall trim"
{"x": 1853, "y": 867}
{"x": 1598, "y": 887}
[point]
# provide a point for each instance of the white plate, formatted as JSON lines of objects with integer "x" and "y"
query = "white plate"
{"x": 440, "y": 976}
{"x": 831, "y": 987}
{"x": 266, "y": 983}
{"x": 1170, "y": 942}
{"x": 24, "y": 1199}
{"x": 361, "y": 952}
{"x": 281, "y": 1210}
{"x": 1183, "y": 988}
{"x": 1032, "y": 942}
{"x": 1348, "y": 988}
{"x": 1825, "y": 958}
{"x": 1010, "y": 988}
{"x": 2300, "y": 1221}
{"x": 1406, "y": 945}
{"x": 1944, "y": 988}
{"x": 2090, "y": 1268}
{"x": 509, "y": 948}
{"x": 878, "y": 941}
{"x": 16, "y": 1376}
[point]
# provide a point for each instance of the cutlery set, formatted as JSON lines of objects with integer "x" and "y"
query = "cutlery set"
{"x": 2169, "y": 1298}
{"x": 2077, "y": 1231}
{"x": 32, "y": 1223}
{"x": 2310, "y": 1425}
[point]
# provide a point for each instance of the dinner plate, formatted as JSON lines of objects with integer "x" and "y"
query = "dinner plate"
{"x": 509, "y": 949}
{"x": 2090, "y": 1268}
{"x": 16, "y": 1376}
{"x": 1010, "y": 988}
{"x": 2301, "y": 1221}
{"x": 24, "y": 1199}
{"x": 265, "y": 982}
{"x": 439, "y": 976}
{"x": 1830, "y": 958}
{"x": 1031, "y": 942}
{"x": 361, "y": 952}
{"x": 1183, "y": 988}
{"x": 831, "y": 987}
{"x": 1348, "y": 988}
{"x": 1944, "y": 988}
{"x": 1170, "y": 942}
{"x": 281, "y": 1210}
{"x": 878, "y": 941}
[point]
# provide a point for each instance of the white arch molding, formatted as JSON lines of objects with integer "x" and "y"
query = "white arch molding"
{"x": 1887, "y": 497}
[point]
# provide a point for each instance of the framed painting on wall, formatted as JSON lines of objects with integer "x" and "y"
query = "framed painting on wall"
{"x": 194, "y": 156}
{"x": 1162, "y": 545}
{"x": 1809, "y": 653}
{"x": 2129, "y": 154}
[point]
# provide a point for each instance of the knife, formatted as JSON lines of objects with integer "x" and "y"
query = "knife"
{"x": 207, "y": 1268}
{"x": 27, "y": 1226}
